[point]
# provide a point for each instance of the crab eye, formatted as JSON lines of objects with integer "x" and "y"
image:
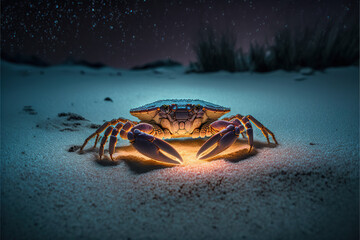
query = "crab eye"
{"x": 197, "y": 107}
{"x": 165, "y": 107}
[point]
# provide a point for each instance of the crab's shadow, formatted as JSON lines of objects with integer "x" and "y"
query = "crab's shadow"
{"x": 187, "y": 148}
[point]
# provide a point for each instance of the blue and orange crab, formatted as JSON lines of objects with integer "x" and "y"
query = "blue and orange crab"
{"x": 177, "y": 118}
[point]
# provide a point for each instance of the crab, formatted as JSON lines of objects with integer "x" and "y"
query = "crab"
{"x": 177, "y": 118}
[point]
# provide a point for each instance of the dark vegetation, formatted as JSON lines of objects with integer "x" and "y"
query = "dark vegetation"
{"x": 159, "y": 63}
{"x": 95, "y": 65}
{"x": 329, "y": 44}
{"x": 216, "y": 53}
{"x": 38, "y": 62}
{"x": 20, "y": 59}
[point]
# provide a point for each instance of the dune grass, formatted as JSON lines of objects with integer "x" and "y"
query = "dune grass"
{"x": 216, "y": 52}
{"x": 329, "y": 44}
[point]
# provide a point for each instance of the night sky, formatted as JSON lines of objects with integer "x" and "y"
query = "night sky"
{"x": 128, "y": 33}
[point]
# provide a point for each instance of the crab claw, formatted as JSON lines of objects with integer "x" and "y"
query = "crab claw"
{"x": 151, "y": 147}
{"x": 224, "y": 140}
{"x": 211, "y": 141}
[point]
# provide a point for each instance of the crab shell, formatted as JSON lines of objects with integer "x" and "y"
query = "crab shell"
{"x": 150, "y": 111}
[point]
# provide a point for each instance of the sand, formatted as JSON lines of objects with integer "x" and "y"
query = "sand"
{"x": 307, "y": 187}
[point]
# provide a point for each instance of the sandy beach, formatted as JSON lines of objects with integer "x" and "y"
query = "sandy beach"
{"x": 307, "y": 187}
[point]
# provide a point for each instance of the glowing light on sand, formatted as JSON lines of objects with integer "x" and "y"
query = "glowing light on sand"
{"x": 187, "y": 148}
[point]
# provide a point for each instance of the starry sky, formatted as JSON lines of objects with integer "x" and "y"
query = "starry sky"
{"x": 128, "y": 33}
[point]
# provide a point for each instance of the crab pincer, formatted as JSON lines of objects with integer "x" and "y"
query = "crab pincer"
{"x": 153, "y": 147}
{"x": 224, "y": 139}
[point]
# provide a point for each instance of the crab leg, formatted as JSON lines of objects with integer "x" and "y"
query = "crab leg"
{"x": 101, "y": 129}
{"x": 113, "y": 139}
{"x": 151, "y": 147}
{"x": 263, "y": 129}
{"x": 249, "y": 132}
{"x": 104, "y": 140}
{"x": 224, "y": 139}
{"x": 125, "y": 129}
{"x": 96, "y": 140}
